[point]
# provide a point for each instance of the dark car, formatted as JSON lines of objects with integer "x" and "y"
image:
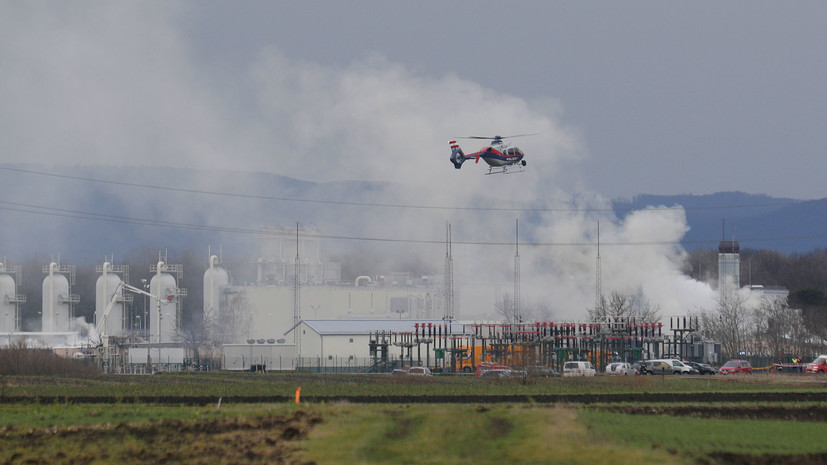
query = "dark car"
{"x": 736, "y": 367}
{"x": 655, "y": 367}
{"x": 541, "y": 371}
{"x": 703, "y": 368}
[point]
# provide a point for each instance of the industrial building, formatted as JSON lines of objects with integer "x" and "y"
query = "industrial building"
{"x": 10, "y": 299}
{"x": 729, "y": 266}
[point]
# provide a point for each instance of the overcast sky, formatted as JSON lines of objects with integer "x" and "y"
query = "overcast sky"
{"x": 628, "y": 97}
{"x": 625, "y": 98}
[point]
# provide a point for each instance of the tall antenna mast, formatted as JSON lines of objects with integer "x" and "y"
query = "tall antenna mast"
{"x": 598, "y": 279}
{"x": 449, "y": 277}
{"x": 517, "y": 315}
{"x": 296, "y": 295}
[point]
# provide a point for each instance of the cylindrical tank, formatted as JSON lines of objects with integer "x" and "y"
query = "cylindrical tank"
{"x": 8, "y": 293}
{"x": 105, "y": 288}
{"x": 214, "y": 278}
{"x": 163, "y": 320}
{"x": 55, "y": 301}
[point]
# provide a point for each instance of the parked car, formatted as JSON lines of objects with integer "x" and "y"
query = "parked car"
{"x": 703, "y": 368}
{"x": 680, "y": 368}
{"x": 578, "y": 368}
{"x": 619, "y": 368}
{"x": 819, "y": 365}
{"x": 735, "y": 367}
{"x": 419, "y": 371}
{"x": 542, "y": 371}
{"x": 656, "y": 367}
{"x": 675, "y": 366}
{"x": 412, "y": 371}
{"x": 490, "y": 366}
{"x": 496, "y": 373}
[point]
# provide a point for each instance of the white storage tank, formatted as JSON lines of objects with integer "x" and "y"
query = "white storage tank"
{"x": 56, "y": 312}
{"x": 163, "y": 320}
{"x": 214, "y": 278}
{"x": 105, "y": 288}
{"x": 8, "y": 295}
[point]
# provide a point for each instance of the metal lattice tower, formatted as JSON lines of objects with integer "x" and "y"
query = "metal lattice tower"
{"x": 598, "y": 279}
{"x": 449, "y": 277}
{"x": 296, "y": 294}
{"x": 517, "y": 315}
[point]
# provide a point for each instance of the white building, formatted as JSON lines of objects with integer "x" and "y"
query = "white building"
{"x": 342, "y": 343}
{"x": 266, "y": 312}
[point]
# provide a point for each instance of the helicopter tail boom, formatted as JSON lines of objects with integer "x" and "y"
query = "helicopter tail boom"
{"x": 457, "y": 155}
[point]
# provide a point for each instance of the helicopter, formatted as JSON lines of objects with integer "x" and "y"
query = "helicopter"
{"x": 501, "y": 157}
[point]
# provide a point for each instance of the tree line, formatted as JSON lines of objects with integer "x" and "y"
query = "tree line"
{"x": 780, "y": 328}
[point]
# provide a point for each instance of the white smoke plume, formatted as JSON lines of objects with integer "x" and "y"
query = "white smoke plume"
{"x": 119, "y": 84}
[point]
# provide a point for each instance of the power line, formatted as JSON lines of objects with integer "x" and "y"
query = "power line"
{"x": 382, "y": 205}
{"x": 90, "y": 216}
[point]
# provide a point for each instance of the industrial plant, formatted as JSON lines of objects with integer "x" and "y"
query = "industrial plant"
{"x": 299, "y": 315}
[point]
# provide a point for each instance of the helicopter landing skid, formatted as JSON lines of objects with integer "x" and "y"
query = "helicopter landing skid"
{"x": 505, "y": 170}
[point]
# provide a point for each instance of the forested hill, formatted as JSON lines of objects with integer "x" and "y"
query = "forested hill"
{"x": 86, "y": 212}
{"x": 756, "y": 221}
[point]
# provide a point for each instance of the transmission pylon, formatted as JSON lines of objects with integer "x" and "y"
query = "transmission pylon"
{"x": 517, "y": 315}
{"x": 296, "y": 295}
{"x": 449, "y": 277}
{"x": 598, "y": 287}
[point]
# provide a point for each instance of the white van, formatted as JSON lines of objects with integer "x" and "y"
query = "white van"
{"x": 578, "y": 368}
{"x": 678, "y": 367}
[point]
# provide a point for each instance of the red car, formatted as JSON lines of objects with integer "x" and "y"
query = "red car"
{"x": 497, "y": 369}
{"x": 736, "y": 366}
{"x": 818, "y": 365}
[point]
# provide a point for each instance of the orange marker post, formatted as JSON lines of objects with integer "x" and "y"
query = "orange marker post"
{"x": 298, "y": 393}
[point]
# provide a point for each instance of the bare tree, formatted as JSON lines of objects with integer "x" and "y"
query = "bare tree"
{"x": 537, "y": 310}
{"x": 195, "y": 335}
{"x": 505, "y": 308}
{"x": 728, "y": 323}
{"x": 234, "y": 320}
{"x": 782, "y": 329}
{"x": 619, "y": 305}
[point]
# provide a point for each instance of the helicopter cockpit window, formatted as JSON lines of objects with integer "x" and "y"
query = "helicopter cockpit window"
{"x": 511, "y": 151}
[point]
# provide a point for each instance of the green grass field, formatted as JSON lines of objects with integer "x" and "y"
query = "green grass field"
{"x": 54, "y": 429}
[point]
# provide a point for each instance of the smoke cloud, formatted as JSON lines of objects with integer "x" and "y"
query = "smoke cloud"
{"x": 120, "y": 84}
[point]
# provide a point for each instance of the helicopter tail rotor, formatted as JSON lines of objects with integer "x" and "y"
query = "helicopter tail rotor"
{"x": 457, "y": 155}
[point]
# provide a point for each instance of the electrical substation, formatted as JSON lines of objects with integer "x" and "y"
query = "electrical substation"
{"x": 457, "y": 348}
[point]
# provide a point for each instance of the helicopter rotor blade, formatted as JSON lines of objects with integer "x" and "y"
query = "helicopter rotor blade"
{"x": 518, "y": 135}
{"x": 497, "y": 137}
